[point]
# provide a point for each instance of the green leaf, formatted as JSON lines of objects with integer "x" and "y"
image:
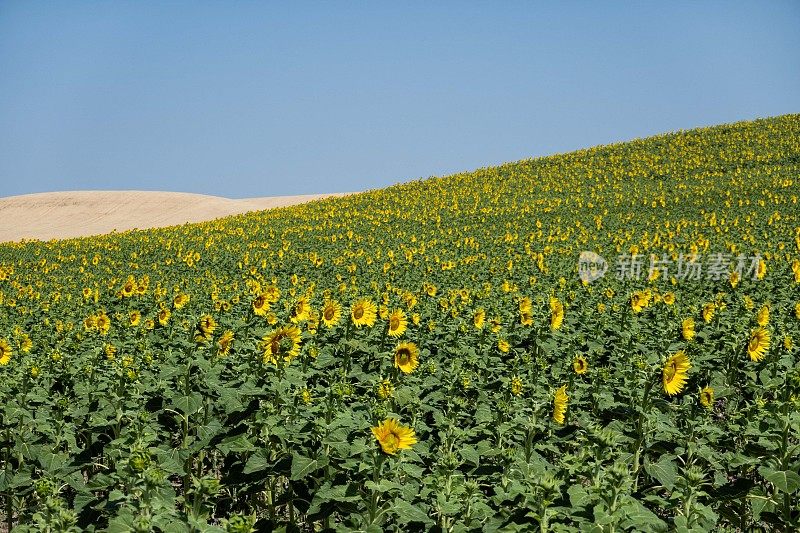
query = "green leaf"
{"x": 302, "y": 466}
{"x": 664, "y": 471}
{"x": 784, "y": 480}
{"x": 406, "y": 513}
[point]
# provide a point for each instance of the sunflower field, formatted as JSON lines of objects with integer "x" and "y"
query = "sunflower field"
{"x": 426, "y": 356}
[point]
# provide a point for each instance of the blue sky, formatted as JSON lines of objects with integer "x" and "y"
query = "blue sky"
{"x": 258, "y": 99}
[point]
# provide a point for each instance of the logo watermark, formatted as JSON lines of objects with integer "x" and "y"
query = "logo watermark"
{"x": 716, "y": 266}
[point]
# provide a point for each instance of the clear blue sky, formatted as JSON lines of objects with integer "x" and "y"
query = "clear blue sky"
{"x": 259, "y": 99}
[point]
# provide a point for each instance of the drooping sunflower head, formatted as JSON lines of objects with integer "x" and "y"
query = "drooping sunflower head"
{"x": 394, "y": 436}
{"x": 580, "y": 365}
{"x": 398, "y": 323}
{"x": 758, "y": 344}
{"x": 556, "y": 313}
{"x": 363, "y": 313}
{"x": 762, "y": 317}
{"x": 675, "y": 373}
{"x": 707, "y": 397}
{"x": 687, "y": 329}
{"x": 560, "y": 401}
{"x": 479, "y": 318}
{"x": 406, "y": 357}
{"x": 331, "y": 313}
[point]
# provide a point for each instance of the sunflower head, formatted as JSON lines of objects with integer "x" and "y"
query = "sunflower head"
{"x": 398, "y": 323}
{"x": 758, "y": 344}
{"x": 283, "y": 342}
{"x": 687, "y": 329}
{"x": 707, "y": 397}
{"x": 363, "y": 313}
{"x": 406, "y": 357}
{"x": 675, "y": 373}
{"x": 580, "y": 365}
{"x": 560, "y": 405}
{"x": 394, "y": 436}
{"x": 331, "y": 313}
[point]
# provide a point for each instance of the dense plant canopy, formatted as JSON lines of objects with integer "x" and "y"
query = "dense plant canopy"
{"x": 425, "y": 356}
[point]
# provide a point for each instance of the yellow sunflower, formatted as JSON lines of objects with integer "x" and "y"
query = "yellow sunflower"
{"x": 675, "y": 373}
{"x": 406, "y": 357}
{"x": 560, "y": 404}
{"x": 301, "y": 310}
{"x": 580, "y": 365}
{"x": 708, "y": 311}
{"x": 205, "y": 328}
{"x": 393, "y": 436}
{"x": 398, "y": 323}
{"x": 707, "y": 397}
{"x": 5, "y": 352}
{"x": 758, "y": 344}
{"x": 283, "y": 342}
{"x": 225, "y": 343}
{"x": 687, "y": 329}
{"x": 763, "y": 315}
{"x": 163, "y": 316}
{"x": 331, "y": 313}
{"x": 134, "y": 318}
{"x": 479, "y": 318}
{"x": 261, "y": 305}
{"x": 363, "y": 313}
{"x": 556, "y": 313}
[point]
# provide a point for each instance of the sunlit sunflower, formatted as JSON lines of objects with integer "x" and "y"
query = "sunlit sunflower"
{"x": 669, "y": 298}
{"x": 556, "y": 313}
{"x": 393, "y": 436}
{"x": 283, "y": 342}
{"x": 761, "y": 270}
{"x": 331, "y": 313}
{"x": 363, "y": 312}
{"x": 580, "y": 365}
{"x": 763, "y": 315}
{"x": 5, "y": 352}
{"x": 163, "y": 316}
{"x": 560, "y": 404}
{"x": 479, "y": 318}
{"x": 205, "y": 328}
{"x": 134, "y": 318}
{"x": 758, "y": 344}
{"x": 398, "y": 323}
{"x": 180, "y": 300}
{"x": 301, "y": 310}
{"x": 225, "y": 343}
{"x": 734, "y": 279}
{"x": 261, "y": 305}
{"x": 675, "y": 373}
{"x": 103, "y": 323}
{"x": 687, "y": 329}
{"x": 503, "y": 345}
{"x": 707, "y": 397}
{"x": 406, "y": 357}
{"x": 708, "y": 311}
{"x": 638, "y": 302}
